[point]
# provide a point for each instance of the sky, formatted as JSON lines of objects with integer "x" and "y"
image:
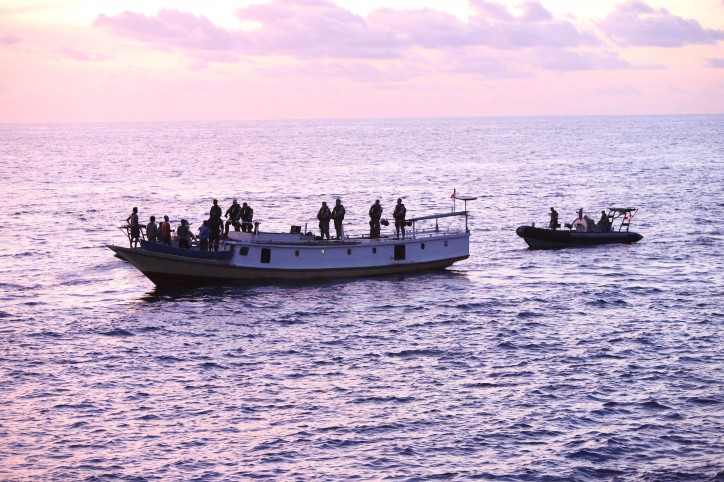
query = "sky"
{"x": 206, "y": 60}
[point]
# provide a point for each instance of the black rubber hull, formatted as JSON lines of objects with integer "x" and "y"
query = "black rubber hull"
{"x": 539, "y": 238}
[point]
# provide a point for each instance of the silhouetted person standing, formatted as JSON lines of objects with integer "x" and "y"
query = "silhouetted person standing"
{"x": 375, "y": 216}
{"x": 234, "y": 214}
{"x": 215, "y": 210}
{"x": 324, "y": 215}
{"x": 215, "y": 225}
{"x": 399, "y": 215}
{"x": 603, "y": 222}
{"x": 166, "y": 231}
{"x": 152, "y": 230}
{"x": 132, "y": 221}
{"x": 554, "y": 219}
{"x": 338, "y": 213}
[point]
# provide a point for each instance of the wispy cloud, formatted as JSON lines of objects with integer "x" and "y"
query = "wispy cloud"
{"x": 569, "y": 60}
{"x": 9, "y": 40}
{"x": 71, "y": 53}
{"x": 626, "y": 90}
{"x": 715, "y": 62}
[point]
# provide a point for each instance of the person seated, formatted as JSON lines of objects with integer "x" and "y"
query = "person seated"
{"x": 247, "y": 215}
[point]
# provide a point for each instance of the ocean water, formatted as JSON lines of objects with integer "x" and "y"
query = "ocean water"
{"x": 580, "y": 364}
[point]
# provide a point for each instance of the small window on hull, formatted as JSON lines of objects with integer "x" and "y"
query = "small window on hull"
{"x": 399, "y": 252}
{"x": 244, "y": 251}
{"x": 265, "y": 255}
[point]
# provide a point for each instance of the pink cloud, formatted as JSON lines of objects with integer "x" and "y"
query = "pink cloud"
{"x": 422, "y": 27}
{"x": 9, "y": 40}
{"x": 497, "y": 28}
{"x": 485, "y": 65}
{"x": 320, "y": 28}
{"x": 74, "y": 54}
{"x": 617, "y": 91}
{"x": 636, "y": 24}
{"x": 314, "y": 28}
{"x": 170, "y": 27}
{"x": 560, "y": 60}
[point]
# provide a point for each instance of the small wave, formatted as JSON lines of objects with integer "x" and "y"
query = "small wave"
{"x": 148, "y": 329}
{"x": 46, "y": 334}
{"x": 149, "y": 416}
{"x": 71, "y": 406}
{"x": 168, "y": 358}
{"x": 120, "y": 332}
{"x": 600, "y": 473}
{"x": 703, "y": 401}
{"x": 589, "y": 454}
{"x": 212, "y": 366}
{"x": 529, "y": 314}
{"x": 389, "y": 399}
{"x": 481, "y": 385}
{"x": 415, "y": 353}
{"x": 654, "y": 405}
{"x": 609, "y": 356}
{"x": 508, "y": 345}
{"x": 340, "y": 444}
{"x": 138, "y": 396}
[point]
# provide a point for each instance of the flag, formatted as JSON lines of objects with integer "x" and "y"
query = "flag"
{"x": 452, "y": 196}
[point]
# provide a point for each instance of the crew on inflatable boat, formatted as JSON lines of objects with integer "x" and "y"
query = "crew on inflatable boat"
{"x": 554, "y": 220}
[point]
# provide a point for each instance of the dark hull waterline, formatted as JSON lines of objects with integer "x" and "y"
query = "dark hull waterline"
{"x": 539, "y": 238}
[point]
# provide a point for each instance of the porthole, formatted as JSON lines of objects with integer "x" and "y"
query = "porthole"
{"x": 422, "y": 246}
{"x": 446, "y": 244}
{"x": 321, "y": 251}
{"x": 374, "y": 250}
{"x": 296, "y": 252}
{"x": 244, "y": 251}
{"x": 349, "y": 251}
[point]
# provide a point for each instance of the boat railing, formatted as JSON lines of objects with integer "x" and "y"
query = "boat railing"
{"x": 623, "y": 216}
{"x": 126, "y": 229}
{"x": 436, "y": 217}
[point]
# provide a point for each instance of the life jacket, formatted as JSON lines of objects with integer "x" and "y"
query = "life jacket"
{"x": 338, "y": 212}
{"x": 324, "y": 214}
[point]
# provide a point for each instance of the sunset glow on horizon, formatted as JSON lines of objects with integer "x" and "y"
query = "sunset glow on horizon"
{"x": 103, "y": 61}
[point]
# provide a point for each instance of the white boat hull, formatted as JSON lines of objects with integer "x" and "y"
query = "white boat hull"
{"x": 283, "y": 257}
